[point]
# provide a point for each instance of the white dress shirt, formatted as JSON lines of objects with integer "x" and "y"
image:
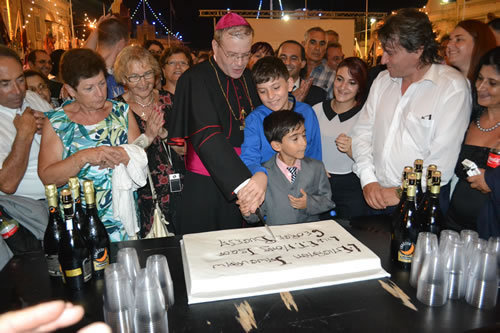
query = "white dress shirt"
{"x": 30, "y": 186}
{"x": 428, "y": 122}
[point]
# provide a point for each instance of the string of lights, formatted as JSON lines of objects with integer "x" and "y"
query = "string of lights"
{"x": 157, "y": 17}
{"x": 260, "y": 8}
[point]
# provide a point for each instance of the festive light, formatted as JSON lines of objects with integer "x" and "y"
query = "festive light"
{"x": 155, "y": 15}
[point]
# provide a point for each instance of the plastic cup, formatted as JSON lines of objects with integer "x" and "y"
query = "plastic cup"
{"x": 456, "y": 269}
{"x": 445, "y": 237}
{"x": 468, "y": 235}
{"x": 432, "y": 288}
{"x": 484, "y": 283}
{"x": 494, "y": 244}
{"x": 426, "y": 243}
{"x": 127, "y": 257}
{"x": 157, "y": 265}
{"x": 150, "y": 315}
{"x": 473, "y": 251}
{"x": 118, "y": 300}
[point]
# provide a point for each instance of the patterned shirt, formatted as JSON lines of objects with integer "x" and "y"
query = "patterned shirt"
{"x": 323, "y": 77}
{"x": 111, "y": 131}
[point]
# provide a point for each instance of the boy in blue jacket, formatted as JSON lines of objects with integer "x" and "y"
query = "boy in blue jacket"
{"x": 273, "y": 86}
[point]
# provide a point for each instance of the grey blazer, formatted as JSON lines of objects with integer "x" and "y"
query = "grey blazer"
{"x": 311, "y": 178}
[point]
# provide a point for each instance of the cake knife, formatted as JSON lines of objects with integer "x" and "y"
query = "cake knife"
{"x": 261, "y": 218}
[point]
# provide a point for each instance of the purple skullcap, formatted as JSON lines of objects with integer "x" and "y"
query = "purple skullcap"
{"x": 230, "y": 20}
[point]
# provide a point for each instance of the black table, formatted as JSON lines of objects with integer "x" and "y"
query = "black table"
{"x": 353, "y": 307}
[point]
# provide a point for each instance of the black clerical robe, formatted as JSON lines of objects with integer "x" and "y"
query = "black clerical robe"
{"x": 202, "y": 117}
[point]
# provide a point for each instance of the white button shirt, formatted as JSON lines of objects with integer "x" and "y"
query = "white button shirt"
{"x": 30, "y": 186}
{"x": 428, "y": 122}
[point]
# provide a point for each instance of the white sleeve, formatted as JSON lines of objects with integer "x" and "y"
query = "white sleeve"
{"x": 361, "y": 134}
{"x": 451, "y": 123}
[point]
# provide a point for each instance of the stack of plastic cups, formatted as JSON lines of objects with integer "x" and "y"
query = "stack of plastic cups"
{"x": 118, "y": 299}
{"x": 426, "y": 243}
{"x": 128, "y": 258}
{"x": 482, "y": 287}
{"x": 150, "y": 315}
{"x": 157, "y": 265}
{"x": 432, "y": 286}
{"x": 445, "y": 238}
{"x": 454, "y": 258}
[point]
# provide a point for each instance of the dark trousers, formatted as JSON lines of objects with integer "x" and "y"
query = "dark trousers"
{"x": 348, "y": 196}
{"x": 204, "y": 207}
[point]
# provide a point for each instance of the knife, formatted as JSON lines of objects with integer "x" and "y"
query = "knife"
{"x": 261, "y": 218}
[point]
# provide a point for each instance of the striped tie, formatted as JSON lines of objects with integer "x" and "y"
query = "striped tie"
{"x": 293, "y": 173}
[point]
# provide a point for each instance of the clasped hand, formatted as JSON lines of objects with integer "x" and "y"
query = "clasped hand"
{"x": 107, "y": 157}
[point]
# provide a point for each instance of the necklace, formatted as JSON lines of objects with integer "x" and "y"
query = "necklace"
{"x": 486, "y": 129}
{"x": 146, "y": 104}
{"x": 243, "y": 114}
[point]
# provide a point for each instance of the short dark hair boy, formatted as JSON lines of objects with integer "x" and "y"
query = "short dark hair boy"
{"x": 269, "y": 68}
{"x": 298, "y": 189}
{"x": 279, "y": 124}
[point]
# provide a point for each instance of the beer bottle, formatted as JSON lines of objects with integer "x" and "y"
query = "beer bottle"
{"x": 52, "y": 236}
{"x": 405, "y": 235}
{"x": 418, "y": 169}
{"x": 402, "y": 200}
{"x": 80, "y": 218}
{"x": 74, "y": 256}
{"x": 429, "y": 215}
{"x": 95, "y": 232}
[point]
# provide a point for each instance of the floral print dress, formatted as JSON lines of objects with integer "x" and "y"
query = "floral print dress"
{"x": 111, "y": 131}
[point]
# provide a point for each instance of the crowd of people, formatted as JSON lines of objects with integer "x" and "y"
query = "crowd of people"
{"x": 213, "y": 124}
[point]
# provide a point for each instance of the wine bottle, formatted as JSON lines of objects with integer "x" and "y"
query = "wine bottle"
{"x": 402, "y": 200}
{"x": 418, "y": 169}
{"x": 80, "y": 218}
{"x": 429, "y": 215}
{"x": 74, "y": 256}
{"x": 405, "y": 235}
{"x": 95, "y": 232}
{"x": 52, "y": 236}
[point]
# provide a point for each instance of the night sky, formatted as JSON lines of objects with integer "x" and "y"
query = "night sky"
{"x": 197, "y": 32}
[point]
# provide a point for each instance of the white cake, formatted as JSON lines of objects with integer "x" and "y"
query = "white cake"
{"x": 246, "y": 262}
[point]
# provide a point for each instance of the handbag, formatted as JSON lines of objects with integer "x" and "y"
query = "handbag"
{"x": 159, "y": 227}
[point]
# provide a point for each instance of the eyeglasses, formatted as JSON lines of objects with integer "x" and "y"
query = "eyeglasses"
{"x": 38, "y": 88}
{"x": 136, "y": 78}
{"x": 175, "y": 63}
{"x": 234, "y": 57}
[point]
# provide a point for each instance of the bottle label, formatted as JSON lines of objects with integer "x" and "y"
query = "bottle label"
{"x": 73, "y": 272}
{"x": 101, "y": 259}
{"x": 87, "y": 269}
{"x": 405, "y": 252}
{"x": 9, "y": 230}
{"x": 493, "y": 160}
{"x": 53, "y": 265}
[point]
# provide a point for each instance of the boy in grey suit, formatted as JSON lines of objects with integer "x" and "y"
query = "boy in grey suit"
{"x": 298, "y": 189}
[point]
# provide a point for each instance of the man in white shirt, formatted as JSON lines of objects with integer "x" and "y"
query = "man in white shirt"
{"x": 416, "y": 108}
{"x": 20, "y": 187}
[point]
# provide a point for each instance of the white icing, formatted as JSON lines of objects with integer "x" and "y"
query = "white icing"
{"x": 244, "y": 262}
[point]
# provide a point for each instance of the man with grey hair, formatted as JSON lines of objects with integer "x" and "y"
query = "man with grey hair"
{"x": 317, "y": 68}
{"x": 416, "y": 109}
{"x": 212, "y": 100}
